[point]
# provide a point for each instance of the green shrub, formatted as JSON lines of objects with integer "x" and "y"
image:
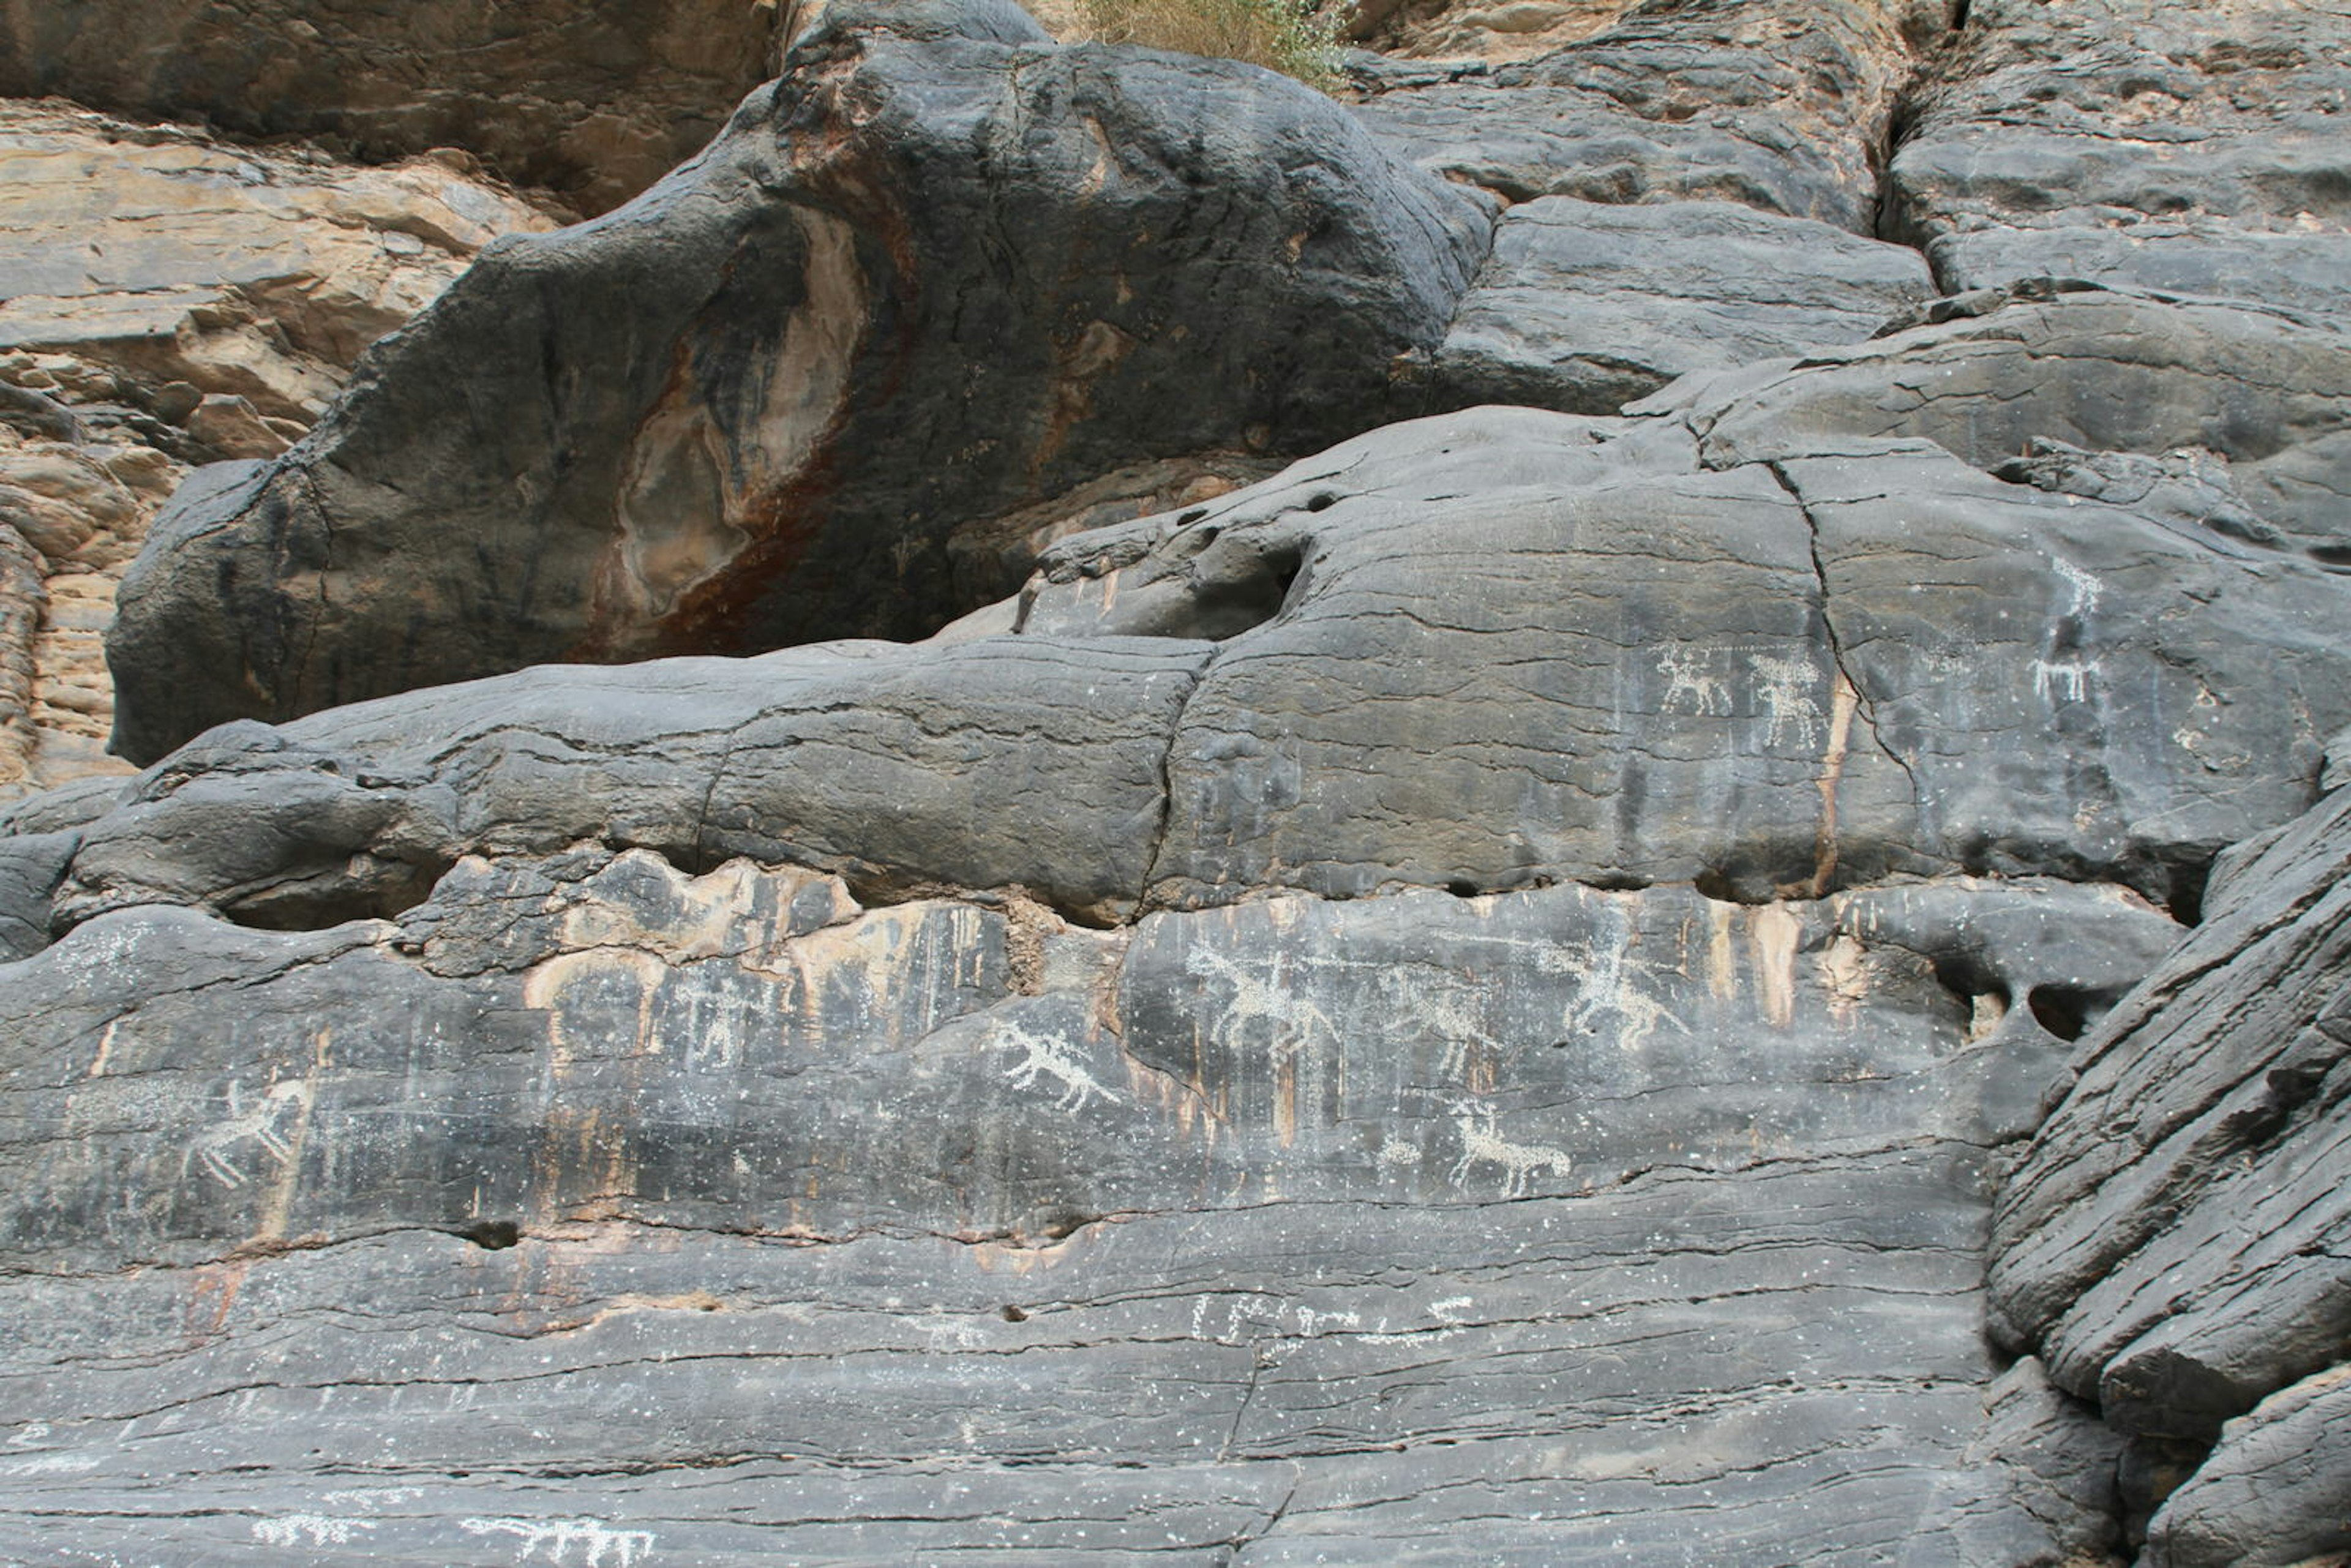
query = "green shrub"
{"x": 1297, "y": 37}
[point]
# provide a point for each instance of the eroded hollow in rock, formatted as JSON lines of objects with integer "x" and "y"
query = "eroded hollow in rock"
{"x": 369, "y": 889}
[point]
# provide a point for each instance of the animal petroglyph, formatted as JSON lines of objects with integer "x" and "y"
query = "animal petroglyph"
{"x": 569, "y": 1542}
{"x": 1448, "y": 1013}
{"x": 1047, "y": 1056}
{"x": 1688, "y": 680}
{"x": 1483, "y": 1144}
{"x": 268, "y": 1126}
{"x": 1784, "y": 687}
{"x": 2085, "y": 588}
{"x": 1291, "y": 1021}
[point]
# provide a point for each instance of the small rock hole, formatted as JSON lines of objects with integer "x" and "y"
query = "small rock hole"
{"x": 1321, "y": 501}
{"x": 493, "y": 1235}
{"x": 1012, "y": 1314}
{"x": 2065, "y": 1011}
{"x": 1461, "y": 888}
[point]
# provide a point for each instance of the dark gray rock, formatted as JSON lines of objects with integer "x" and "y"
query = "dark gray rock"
{"x": 2174, "y": 1241}
{"x": 1767, "y": 680}
{"x": 927, "y": 279}
{"x": 1033, "y": 763}
{"x": 1584, "y": 308}
{"x": 31, "y": 866}
{"x": 1783, "y": 108}
{"x": 2188, "y": 148}
{"x": 2276, "y": 1491}
{"x": 2094, "y": 369}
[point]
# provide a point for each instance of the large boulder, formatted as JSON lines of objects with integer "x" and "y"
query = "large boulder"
{"x": 940, "y": 271}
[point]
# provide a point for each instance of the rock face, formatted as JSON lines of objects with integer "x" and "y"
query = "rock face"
{"x": 2188, "y": 148}
{"x": 1727, "y": 100}
{"x": 595, "y": 102}
{"x": 1741, "y": 969}
{"x": 816, "y": 378}
{"x": 169, "y": 300}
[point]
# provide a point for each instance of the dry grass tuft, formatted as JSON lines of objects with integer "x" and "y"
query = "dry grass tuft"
{"x": 1296, "y": 38}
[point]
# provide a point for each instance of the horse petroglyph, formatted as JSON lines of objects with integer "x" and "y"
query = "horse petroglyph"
{"x": 1784, "y": 686}
{"x": 1612, "y": 988}
{"x": 268, "y": 1126}
{"x": 1688, "y": 680}
{"x": 1291, "y": 1021}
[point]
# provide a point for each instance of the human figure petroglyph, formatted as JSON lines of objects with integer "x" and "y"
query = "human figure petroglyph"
{"x": 269, "y": 1125}
{"x": 1613, "y": 986}
{"x": 1048, "y": 1056}
{"x": 1483, "y": 1144}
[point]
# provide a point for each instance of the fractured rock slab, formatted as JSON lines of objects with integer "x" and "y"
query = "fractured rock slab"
{"x": 1585, "y": 307}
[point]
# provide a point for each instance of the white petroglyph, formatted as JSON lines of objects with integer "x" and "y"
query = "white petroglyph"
{"x": 1291, "y": 1018}
{"x": 269, "y": 1126}
{"x": 308, "y": 1530}
{"x": 596, "y": 1544}
{"x": 2085, "y": 588}
{"x": 1784, "y": 686}
{"x": 1482, "y": 1143}
{"x": 1614, "y": 987}
{"x": 1447, "y": 1011}
{"x": 2063, "y": 680}
{"x": 1689, "y": 680}
{"x": 1047, "y": 1056}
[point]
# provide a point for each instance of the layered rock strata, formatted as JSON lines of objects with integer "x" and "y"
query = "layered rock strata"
{"x": 170, "y": 299}
{"x": 1751, "y": 973}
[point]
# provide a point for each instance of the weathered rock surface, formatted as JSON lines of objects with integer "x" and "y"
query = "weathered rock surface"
{"x": 2275, "y": 1492}
{"x": 756, "y": 403}
{"x": 1765, "y": 679}
{"x": 1737, "y": 100}
{"x": 2188, "y": 148}
{"x": 1585, "y": 307}
{"x": 1525, "y": 988}
{"x": 168, "y": 298}
{"x": 595, "y": 102}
